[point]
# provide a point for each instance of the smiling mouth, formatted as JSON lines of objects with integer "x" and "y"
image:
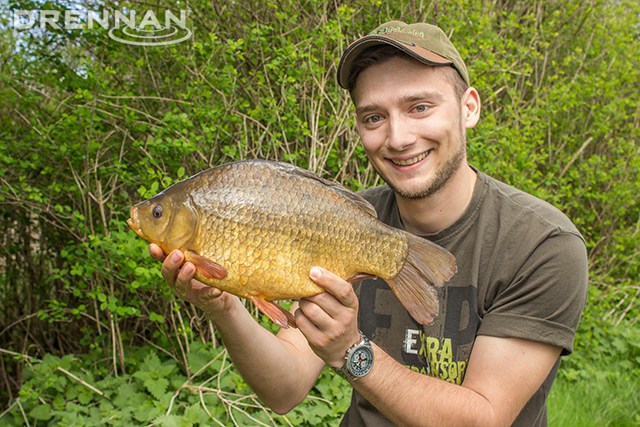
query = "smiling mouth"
{"x": 412, "y": 160}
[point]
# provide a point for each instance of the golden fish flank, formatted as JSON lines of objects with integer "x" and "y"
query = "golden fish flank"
{"x": 255, "y": 228}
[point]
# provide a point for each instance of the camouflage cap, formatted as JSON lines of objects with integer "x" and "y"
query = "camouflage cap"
{"x": 424, "y": 42}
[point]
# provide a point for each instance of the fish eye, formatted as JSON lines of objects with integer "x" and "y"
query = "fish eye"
{"x": 157, "y": 211}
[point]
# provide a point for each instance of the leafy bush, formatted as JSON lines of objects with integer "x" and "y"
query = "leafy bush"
{"x": 156, "y": 390}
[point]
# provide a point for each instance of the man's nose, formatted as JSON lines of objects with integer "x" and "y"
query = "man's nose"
{"x": 401, "y": 134}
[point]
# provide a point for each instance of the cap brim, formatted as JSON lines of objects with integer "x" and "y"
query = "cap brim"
{"x": 421, "y": 54}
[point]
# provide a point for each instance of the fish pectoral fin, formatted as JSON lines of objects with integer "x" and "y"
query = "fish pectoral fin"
{"x": 360, "y": 276}
{"x": 205, "y": 266}
{"x": 278, "y": 315}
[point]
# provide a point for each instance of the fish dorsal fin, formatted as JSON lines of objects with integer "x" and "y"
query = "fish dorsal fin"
{"x": 361, "y": 203}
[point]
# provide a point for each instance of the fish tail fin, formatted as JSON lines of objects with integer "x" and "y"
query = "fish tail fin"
{"x": 427, "y": 266}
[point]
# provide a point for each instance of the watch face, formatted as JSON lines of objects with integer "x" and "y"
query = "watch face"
{"x": 361, "y": 361}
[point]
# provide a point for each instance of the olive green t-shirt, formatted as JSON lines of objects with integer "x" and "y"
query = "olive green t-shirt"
{"x": 522, "y": 273}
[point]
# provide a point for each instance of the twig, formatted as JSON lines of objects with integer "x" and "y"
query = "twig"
{"x": 576, "y": 155}
{"x": 83, "y": 382}
{"x": 206, "y": 409}
{"x": 173, "y": 399}
{"x": 24, "y": 416}
{"x": 6, "y": 411}
{"x": 156, "y": 98}
{"x": 25, "y": 356}
{"x": 20, "y": 320}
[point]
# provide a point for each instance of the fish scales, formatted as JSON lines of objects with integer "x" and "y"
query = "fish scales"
{"x": 277, "y": 231}
{"x": 255, "y": 228}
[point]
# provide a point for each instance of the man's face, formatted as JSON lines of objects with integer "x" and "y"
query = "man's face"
{"x": 411, "y": 126}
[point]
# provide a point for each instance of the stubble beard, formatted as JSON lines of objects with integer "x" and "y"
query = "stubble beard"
{"x": 442, "y": 177}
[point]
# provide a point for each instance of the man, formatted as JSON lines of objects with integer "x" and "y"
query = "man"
{"x": 505, "y": 318}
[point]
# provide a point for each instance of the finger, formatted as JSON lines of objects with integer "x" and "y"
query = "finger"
{"x": 198, "y": 293}
{"x": 171, "y": 265}
{"x": 209, "y": 294}
{"x": 156, "y": 252}
{"x": 328, "y": 340}
{"x": 339, "y": 288}
{"x": 184, "y": 278}
{"x": 304, "y": 324}
{"x": 316, "y": 313}
{"x": 318, "y": 335}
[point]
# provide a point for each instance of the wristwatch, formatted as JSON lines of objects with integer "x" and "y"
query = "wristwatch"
{"x": 358, "y": 360}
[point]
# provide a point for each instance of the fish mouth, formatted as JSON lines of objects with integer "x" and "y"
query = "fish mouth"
{"x": 134, "y": 222}
{"x": 411, "y": 160}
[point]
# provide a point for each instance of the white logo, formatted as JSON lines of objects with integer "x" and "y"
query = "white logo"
{"x": 129, "y": 28}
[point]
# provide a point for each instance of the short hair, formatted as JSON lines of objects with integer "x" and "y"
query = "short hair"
{"x": 380, "y": 53}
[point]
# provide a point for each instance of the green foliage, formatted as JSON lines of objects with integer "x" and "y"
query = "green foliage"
{"x": 157, "y": 390}
{"x": 89, "y": 126}
{"x": 598, "y": 386}
{"x": 606, "y": 352}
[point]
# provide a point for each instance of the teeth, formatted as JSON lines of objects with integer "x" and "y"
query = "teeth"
{"x": 411, "y": 161}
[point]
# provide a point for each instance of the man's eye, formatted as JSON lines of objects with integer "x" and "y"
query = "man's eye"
{"x": 372, "y": 119}
{"x": 421, "y": 108}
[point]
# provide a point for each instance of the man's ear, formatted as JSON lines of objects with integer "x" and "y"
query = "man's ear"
{"x": 470, "y": 107}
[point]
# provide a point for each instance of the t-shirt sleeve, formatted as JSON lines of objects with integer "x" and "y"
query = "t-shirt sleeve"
{"x": 545, "y": 299}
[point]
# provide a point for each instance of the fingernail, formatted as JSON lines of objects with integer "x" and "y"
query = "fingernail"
{"x": 188, "y": 269}
{"x": 176, "y": 257}
{"x": 315, "y": 273}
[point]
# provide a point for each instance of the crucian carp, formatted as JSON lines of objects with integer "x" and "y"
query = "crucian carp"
{"x": 254, "y": 229}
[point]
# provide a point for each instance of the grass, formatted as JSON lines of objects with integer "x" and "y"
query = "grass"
{"x": 602, "y": 400}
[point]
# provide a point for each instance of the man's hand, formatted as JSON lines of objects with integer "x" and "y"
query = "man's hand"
{"x": 280, "y": 368}
{"x": 179, "y": 275}
{"x": 329, "y": 320}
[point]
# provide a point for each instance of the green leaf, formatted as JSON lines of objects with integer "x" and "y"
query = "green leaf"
{"x": 42, "y": 412}
{"x": 198, "y": 359}
{"x": 169, "y": 421}
{"x": 157, "y": 387}
{"x": 155, "y": 317}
